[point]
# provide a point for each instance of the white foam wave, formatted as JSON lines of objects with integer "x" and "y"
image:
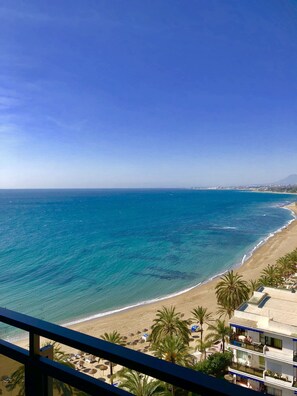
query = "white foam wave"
{"x": 249, "y": 255}
{"x": 146, "y": 302}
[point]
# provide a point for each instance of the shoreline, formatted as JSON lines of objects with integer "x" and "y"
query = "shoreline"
{"x": 135, "y": 318}
{"x": 245, "y": 258}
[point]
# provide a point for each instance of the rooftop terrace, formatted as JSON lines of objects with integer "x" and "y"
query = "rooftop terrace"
{"x": 269, "y": 309}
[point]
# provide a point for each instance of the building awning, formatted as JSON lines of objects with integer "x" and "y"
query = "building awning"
{"x": 246, "y": 324}
{"x": 240, "y": 326}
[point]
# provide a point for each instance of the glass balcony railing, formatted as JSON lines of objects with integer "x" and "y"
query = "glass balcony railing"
{"x": 252, "y": 346}
{"x": 246, "y": 369}
{"x": 277, "y": 376}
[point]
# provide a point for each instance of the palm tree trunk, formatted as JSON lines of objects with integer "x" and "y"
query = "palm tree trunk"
{"x": 223, "y": 340}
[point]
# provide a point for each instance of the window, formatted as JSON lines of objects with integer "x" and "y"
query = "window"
{"x": 242, "y": 357}
{"x": 273, "y": 391}
{"x": 272, "y": 342}
{"x": 261, "y": 362}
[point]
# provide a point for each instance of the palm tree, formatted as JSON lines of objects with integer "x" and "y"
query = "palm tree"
{"x": 253, "y": 285}
{"x": 172, "y": 349}
{"x": 270, "y": 276}
{"x": 202, "y": 316}
{"x": 138, "y": 384}
{"x": 115, "y": 338}
{"x": 231, "y": 292}
{"x": 218, "y": 331}
{"x": 286, "y": 266}
{"x": 18, "y": 377}
{"x": 202, "y": 347}
{"x": 169, "y": 322}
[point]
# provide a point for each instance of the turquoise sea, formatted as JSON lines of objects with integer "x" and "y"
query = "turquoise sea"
{"x": 67, "y": 255}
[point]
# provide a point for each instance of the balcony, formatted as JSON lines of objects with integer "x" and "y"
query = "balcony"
{"x": 295, "y": 356}
{"x": 40, "y": 369}
{"x": 246, "y": 369}
{"x": 252, "y": 346}
{"x": 277, "y": 378}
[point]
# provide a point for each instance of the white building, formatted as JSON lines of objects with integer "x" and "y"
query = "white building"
{"x": 264, "y": 342}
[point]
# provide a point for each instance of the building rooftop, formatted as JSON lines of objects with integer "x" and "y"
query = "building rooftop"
{"x": 269, "y": 309}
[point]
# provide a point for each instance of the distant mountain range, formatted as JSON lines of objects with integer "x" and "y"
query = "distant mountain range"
{"x": 287, "y": 181}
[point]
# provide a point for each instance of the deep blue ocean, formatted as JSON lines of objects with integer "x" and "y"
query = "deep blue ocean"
{"x": 66, "y": 255}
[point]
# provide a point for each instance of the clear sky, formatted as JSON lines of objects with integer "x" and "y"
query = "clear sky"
{"x": 147, "y": 93}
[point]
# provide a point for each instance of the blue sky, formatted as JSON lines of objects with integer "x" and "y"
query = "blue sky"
{"x": 148, "y": 93}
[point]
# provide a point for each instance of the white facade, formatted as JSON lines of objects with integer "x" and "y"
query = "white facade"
{"x": 264, "y": 342}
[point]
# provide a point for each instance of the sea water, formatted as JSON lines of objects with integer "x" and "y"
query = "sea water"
{"x": 67, "y": 255}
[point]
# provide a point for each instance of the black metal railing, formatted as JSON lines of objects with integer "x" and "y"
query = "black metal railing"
{"x": 246, "y": 369}
{"x": 295, "y": 356}
{"x": 257, "y": 347}
{"x": 39, "y": 368}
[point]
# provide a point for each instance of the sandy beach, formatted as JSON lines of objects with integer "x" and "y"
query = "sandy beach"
{"x": 141, "y": 317}
{"x": 138, "y": 318}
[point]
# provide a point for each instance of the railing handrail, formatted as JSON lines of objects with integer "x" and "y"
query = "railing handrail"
{"x": 247, "y": 369}
{"x": 173, "y": 374}
{"x": 257, "y": 347}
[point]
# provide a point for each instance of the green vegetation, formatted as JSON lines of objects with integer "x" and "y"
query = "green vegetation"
{"x": 215, "y": 364}
{"x": 172, "y": 349}
{"x": 271, "y": 276}
{"x": 219, "y": 332}
{"x": 115, "y": 338}
{"x": 169, "y": 323}
{"x": 201, "y": 315}
{"x": 275, "y": 275}
{"x": 170, "y": 335}
{"x": 139, "y": 384}
{"x": 231, "y": 292}
{"x": 17, "y": 381}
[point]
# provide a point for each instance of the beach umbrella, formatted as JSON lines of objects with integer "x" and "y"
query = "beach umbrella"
{"x": 125, "y": 338}
{"x": 101, "y": 379}
{"x": 106, "y": 362}
{"x": 98, "y": 366}
{"x": 144, "y": 330}
{"x": 131, "y": 334}
{"x": 139, "y": 332}
{"x": 93, "y": 371}
{"x": 103, "y": 367}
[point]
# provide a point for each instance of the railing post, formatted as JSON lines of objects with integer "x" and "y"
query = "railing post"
{"x": 48, "y": 352}
{"x": 37, "y": 383}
